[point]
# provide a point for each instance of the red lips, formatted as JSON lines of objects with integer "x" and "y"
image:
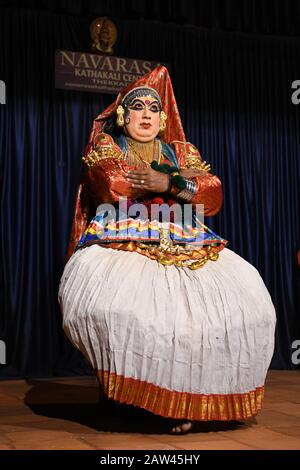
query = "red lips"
{"x": 145, "y": 125}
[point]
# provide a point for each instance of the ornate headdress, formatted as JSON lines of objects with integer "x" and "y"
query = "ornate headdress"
{"x": 158, "y": 83}
{"x": 137, "y": 92}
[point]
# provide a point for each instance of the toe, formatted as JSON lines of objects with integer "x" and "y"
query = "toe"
{"x": 186, "y": 427}
{"x": 182, "y": 427}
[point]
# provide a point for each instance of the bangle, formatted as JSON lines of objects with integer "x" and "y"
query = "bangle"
{"x": 188, "y": 193}
{"x": 191, "y": 186}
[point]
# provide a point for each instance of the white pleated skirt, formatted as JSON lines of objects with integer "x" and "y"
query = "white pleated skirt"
{"x": 181, "y": 343}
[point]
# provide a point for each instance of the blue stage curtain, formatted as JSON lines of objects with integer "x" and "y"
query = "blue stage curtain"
{"x": 234, "y": 93}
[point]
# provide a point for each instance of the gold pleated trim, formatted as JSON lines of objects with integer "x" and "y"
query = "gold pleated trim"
{"x": 181, "y": 405}
{"x": 199, "y": 256}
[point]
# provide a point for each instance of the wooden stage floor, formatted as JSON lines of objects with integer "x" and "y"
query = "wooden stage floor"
{"x": 63, "y": 413}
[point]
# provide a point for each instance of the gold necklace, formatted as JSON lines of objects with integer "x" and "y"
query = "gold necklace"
{"x": 140, "y": 153}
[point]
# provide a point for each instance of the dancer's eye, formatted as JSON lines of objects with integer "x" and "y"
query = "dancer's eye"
{"x": 137, "y": 107}
{"x": 154, "y": 108}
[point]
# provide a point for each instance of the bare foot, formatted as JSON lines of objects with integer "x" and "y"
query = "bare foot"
{"x": 182, "y": 427}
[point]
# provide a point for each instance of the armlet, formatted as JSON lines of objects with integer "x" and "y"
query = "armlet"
{"x": 105, "y": 147}
{"x": 192, "y": 157}
{"x": 196, "y": 163}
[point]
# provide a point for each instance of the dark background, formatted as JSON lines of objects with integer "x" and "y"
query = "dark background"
{"x": 232, "y": 65}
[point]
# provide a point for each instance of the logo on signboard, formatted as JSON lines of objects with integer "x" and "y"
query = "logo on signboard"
{"x": 104, "y": 35}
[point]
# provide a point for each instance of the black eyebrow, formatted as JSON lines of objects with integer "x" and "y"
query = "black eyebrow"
{"x": 137, "y": 100}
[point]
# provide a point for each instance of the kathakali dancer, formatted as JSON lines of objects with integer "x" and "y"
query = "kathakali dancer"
{"x": 170, "y": 319}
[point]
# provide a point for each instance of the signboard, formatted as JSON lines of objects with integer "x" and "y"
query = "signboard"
{"x": 97, "y": 73}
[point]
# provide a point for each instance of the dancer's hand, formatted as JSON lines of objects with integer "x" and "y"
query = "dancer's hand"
{"x": 148, "y": 179}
